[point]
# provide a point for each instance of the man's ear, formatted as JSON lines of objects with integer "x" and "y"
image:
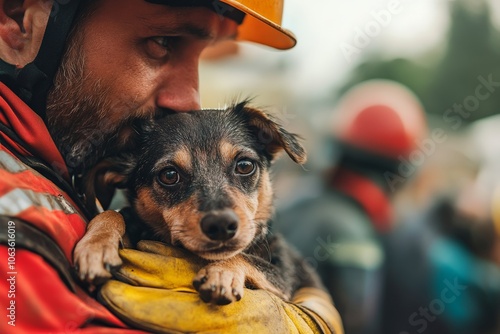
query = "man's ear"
{"x": 22, "y": 26}
{"x": 270, "y": 135}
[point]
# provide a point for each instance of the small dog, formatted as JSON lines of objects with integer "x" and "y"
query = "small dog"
{"x": 200, "y": 180}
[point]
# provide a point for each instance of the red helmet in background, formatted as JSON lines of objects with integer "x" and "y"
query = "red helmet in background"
{"x": 380, "y": 117}
{"x": 376, "y": 123}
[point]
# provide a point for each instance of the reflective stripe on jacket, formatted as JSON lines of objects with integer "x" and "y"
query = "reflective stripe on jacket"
{"x": 35, "y": 212}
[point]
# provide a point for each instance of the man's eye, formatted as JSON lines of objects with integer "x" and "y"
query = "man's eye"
{"x": 158, "y": 47}
{"x": 162, "y": 41}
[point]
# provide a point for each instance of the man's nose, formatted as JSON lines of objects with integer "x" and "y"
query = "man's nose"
{"x": 179, "y": 87}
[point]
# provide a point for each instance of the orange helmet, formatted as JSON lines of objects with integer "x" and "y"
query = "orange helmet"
{"x": 260, "y": 21}
{"x": 381, "y": 117}
{"x": 262, "y": 24}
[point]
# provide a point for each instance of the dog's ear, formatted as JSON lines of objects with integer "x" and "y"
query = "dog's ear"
{"x": 118, "y": 170}
{"x": 102, "y": 180}
{"x": 272, "y": 137}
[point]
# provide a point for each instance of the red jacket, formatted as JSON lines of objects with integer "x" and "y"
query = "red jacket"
{"x": 36, "y": 296}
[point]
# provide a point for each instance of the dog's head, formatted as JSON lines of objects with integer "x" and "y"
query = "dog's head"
{"x": 201, "y": 179}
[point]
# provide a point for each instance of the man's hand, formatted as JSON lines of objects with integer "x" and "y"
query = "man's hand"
{"x": 154, "y": 291}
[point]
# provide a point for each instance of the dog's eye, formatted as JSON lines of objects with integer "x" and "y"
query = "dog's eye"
{"x": 245, "y": 167}
{"x": 169, "y": 176}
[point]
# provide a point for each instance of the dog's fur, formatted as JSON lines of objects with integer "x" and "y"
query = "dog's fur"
{"x": 200, "y": 180}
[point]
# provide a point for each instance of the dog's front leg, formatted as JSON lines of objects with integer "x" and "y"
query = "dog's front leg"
{"x": 222, "y": 282}
{"x": 97, "y": 252}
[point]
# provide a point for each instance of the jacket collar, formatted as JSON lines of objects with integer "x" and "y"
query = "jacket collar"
{"x": 31, "y": 130}
{"x": 367, "y": 194}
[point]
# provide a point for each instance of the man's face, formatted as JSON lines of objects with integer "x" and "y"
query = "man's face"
{"x": 127, "y": 60}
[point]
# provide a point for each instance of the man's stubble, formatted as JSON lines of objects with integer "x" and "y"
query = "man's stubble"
{"x": 78, "y": 110}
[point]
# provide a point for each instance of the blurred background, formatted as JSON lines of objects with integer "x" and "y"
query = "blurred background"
{"x": 437, "y": 48}
{"x": 435, "y": 268}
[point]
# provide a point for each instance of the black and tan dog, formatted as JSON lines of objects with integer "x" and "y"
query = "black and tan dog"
{"x": 200, "y": 180}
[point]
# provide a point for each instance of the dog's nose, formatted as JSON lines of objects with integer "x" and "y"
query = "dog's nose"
{"x": 220, "y": 226}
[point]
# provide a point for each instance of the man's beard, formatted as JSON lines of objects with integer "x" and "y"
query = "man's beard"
{"x": 78, "y": 112}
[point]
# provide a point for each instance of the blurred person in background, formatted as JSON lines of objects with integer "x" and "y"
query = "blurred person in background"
{"x": 378, "y": 125}
{"x": 442, "y": 259}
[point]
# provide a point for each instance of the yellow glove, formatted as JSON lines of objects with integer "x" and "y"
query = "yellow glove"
{"x": 155, "y": 292}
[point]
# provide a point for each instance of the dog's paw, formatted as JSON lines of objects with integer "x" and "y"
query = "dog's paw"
{"x": 95, "y": 258}
{"x": 219, "y": 285}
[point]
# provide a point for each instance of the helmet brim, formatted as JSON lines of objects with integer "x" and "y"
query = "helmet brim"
{"x": 260, "y": 29}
